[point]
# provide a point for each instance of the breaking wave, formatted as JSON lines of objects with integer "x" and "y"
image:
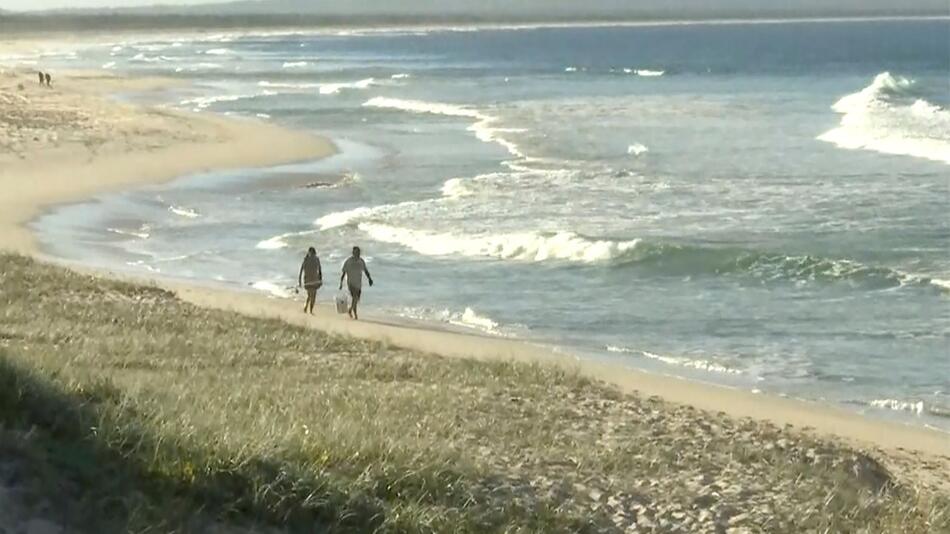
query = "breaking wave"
{"x": 527, "y": 246}
{"x": 876, "y": 119}
{"x": 295, "y": 64}
{"x": 141, "y": 233}
{"x": 646, "y": 73}
{"x": 663, "y": 259}
{"x": 198, "y": 67}
{"x": 466, "y": 319}
{"x": 323, "y": 88}
{"x": 281, "y": 241}
{"x": 274, "y": 289}
{"x": 184, "y": 212}
{"x": 637, "y": 149}
{"x": 204, "y": 102}
{"x": 702, "y": 365}
{"x": 916, "y": 407}
{"x": 141, "y": 57}
{"x": 335, "y": 88}
{"x": 455, "y": 188}
{"x": 686, "y": 261}
{"x": 483, "y": 127}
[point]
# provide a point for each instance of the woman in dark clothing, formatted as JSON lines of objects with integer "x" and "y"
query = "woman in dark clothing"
{"x": 311, "y": 277}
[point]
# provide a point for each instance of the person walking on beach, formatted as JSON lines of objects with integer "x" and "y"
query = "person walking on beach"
{"x": 42, "y": 78}
{"x": 49, "y": 80}
{"x": 353, "y": 269}
{"x": 311, "y": 274}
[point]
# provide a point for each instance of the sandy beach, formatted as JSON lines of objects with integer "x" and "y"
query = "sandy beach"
{"x": 71, "y": 141}
{"x": 68, "y": 141}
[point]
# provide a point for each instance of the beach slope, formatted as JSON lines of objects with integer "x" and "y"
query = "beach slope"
{"x": 70, "y": 141}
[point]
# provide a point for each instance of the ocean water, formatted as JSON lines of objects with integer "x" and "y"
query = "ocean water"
{"x": 763, "y": 206}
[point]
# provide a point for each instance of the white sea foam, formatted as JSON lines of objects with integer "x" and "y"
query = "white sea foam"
{"x": 570, "y": 69}
{"x": 142, "y": 58}
{"x": 420, "y": 106}
{"x": 184, "y": 212}
{"x": 195, "y": 67}
{"x": 109, "y": 65}
{"x": 295, "y": 64}
{"x": 470, "y": 318}
{"x": 875, "y": 119}
{"x": 280, "y": 241}
{"x": 142, "y": 265}
{"x": 526, "y": 246}
{"x": 702, "y": 365}
{"x": 142, "y": 234}
{"x": 323, "y": 88}
{"x": 942, "y": 284}
{"x": 335, "y": 88}
{"x": 204, "y": 102}
{"x": 649, "y": 73}
{"x": 483, "y": 127}
{"x": 288, "y": 85}
{"x": 455, "y": 188}
{"x": 402, "y": 76}
{"x": 274, "y": 289}
{"x": 916, "y": 407}
{"x": 637, "y": 149}
{"x": 466, "y": 319}
{"x": 217, "y": 52}
{"x": 274, "y": 243}
{"x": 342, "y": 218}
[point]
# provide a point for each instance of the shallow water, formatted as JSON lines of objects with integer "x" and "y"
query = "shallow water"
{"x": 757, "y": 205}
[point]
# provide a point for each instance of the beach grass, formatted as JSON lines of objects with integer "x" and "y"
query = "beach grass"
{"x": 124, "y": 409}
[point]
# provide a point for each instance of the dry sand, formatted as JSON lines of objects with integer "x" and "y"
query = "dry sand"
{"x": 71, "y": 141}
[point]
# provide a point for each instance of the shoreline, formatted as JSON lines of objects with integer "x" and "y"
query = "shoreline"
{"x": 48, "y": 176}
{"x": 158, "y": 145}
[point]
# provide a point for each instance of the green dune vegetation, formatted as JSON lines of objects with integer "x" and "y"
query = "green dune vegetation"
{"x": 124, "y": 409}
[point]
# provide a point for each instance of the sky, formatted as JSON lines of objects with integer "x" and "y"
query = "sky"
{"x": 804, "y": 5}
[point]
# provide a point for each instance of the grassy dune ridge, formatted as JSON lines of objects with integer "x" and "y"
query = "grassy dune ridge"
{"x": 123, "y": 408}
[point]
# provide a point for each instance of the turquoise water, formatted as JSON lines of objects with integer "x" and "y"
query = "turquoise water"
{"x": 758, "y": 205}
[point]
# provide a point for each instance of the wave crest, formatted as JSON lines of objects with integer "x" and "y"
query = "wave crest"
{"x": 702, "y": 365}
{"x": 527, "y": 246}
{"x": 483, "y": 127}
{"x": 874, "y": 119}
{"x": 663, "y": 259}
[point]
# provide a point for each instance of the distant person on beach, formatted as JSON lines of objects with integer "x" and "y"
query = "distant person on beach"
{"x": 49, "y": 80}
{"x": 311, "y": 276}
{"x": 353, "y": 269}
{"x": 42, "y": 78}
